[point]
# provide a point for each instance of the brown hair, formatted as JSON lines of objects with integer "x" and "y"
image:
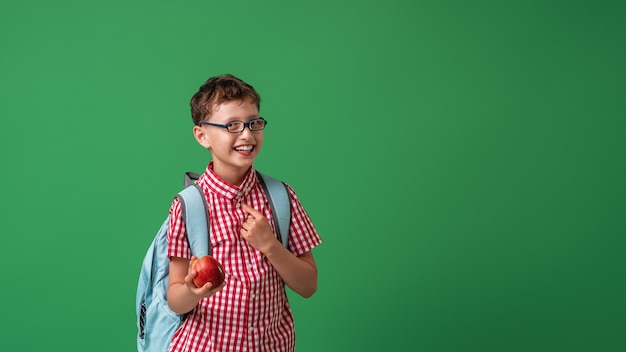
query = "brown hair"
{"x": 217, "y": 90}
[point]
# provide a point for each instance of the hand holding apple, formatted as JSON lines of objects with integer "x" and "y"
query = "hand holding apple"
{"x": 208, "y": 269}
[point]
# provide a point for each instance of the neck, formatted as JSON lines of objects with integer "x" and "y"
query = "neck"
{"x": 233, "y": 176}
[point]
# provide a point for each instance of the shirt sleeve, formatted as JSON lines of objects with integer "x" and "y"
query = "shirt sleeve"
{"x": 177, "y": 245}
{"x": 303, "y": 236}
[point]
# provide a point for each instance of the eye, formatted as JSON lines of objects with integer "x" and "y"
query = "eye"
{"x": 257, "y": 124}
{"x": 234, "y": 125}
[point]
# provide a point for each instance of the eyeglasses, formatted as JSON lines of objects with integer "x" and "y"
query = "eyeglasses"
{"x": 238, "y": 126}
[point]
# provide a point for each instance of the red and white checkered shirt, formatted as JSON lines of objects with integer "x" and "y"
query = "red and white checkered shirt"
{"x": 251, "y": 313}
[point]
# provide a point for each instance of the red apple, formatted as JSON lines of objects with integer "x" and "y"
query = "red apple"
{"x": 208, "y": 269}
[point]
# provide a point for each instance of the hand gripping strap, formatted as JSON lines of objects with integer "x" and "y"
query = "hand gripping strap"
{"x": 196, "y": 219}
{"x": 279, "y": 202}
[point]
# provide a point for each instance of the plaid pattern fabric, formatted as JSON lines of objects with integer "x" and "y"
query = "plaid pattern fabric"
{"x": 252, "y": 312}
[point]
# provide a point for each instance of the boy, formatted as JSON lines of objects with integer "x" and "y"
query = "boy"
{"x": 249, "y": 311}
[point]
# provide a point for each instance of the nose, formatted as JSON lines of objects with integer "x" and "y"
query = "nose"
{"x": 247, "y": 132}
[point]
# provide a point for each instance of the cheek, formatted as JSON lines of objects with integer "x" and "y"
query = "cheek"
{"x": 259, "y": 140}
{"x": 221, "y": 142}
{"x": 208, "y": 142}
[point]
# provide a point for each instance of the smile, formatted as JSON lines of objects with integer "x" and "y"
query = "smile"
{"x": 244, "y": 148}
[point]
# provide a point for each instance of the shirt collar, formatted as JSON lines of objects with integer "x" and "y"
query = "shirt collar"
{"x": 209, "y": 180}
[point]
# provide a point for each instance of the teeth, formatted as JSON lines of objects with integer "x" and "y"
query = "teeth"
{"x": 246, "y": 148}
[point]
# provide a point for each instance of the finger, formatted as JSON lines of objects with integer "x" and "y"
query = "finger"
{"x": 250, "y": 210}
{"x": 200, "y": 291}
{"x": 221, "y": 286}
{"x": 208, "y": 290}
{"x": 209, "y": 287}
{"x": 190, "y": 276}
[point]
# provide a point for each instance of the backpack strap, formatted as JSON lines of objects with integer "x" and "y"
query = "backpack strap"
{"x": 196, "y": 217}
{"x": 280, "y": 203}
{"x": 191, "y": 178}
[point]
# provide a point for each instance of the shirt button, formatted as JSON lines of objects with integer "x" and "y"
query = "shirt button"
{"x": 249, "y": 266}
{"x": 251, "y": 329}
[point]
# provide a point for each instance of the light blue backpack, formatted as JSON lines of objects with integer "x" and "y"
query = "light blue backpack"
{"x": 156, "y": 322}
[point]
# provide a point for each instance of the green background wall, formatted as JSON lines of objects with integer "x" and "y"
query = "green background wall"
{"x": 463, "y": 161}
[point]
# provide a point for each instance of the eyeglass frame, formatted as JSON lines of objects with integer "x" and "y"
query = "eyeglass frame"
{"x": 245, "y": 124}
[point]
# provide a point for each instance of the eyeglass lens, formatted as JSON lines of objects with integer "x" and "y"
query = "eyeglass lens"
{"x": 238, "y": 126}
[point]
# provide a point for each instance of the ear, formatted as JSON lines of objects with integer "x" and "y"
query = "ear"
{"x": 201, "y": 136}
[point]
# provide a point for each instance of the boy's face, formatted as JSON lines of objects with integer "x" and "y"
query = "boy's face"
{"x": 232, "y": 153}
